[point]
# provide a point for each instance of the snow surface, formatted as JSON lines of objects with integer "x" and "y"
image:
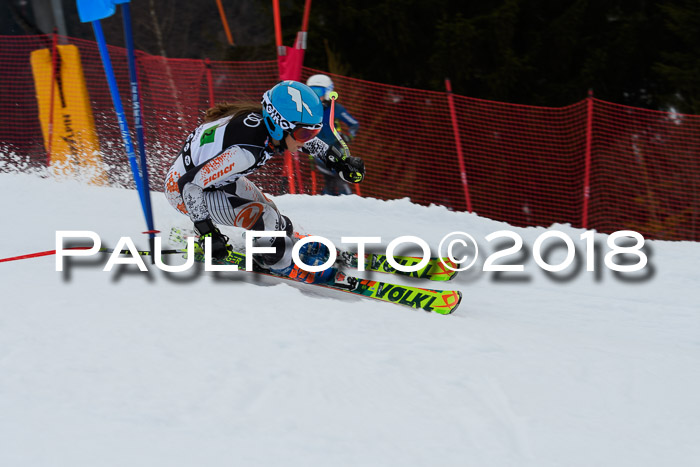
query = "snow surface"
{"x": 218, "y": 369}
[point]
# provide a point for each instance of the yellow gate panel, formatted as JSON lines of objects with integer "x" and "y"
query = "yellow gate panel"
{"x": 71, "y": 141}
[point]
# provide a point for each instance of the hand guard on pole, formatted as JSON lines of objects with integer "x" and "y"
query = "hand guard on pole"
{"x": 349, "y": 168}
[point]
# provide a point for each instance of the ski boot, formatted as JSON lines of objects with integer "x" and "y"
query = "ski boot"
{"x": 222, "y": 252}
{"x": 312, "y": 254}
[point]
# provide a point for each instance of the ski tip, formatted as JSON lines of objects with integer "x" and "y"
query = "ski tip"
{"x": 459, "y": 300}
{"x": 449, "y": 306}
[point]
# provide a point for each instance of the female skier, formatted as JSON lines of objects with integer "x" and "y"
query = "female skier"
{"x": 208, "y": 183}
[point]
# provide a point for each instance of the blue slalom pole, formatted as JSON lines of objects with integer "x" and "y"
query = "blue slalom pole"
{"x": 93, "y": 11}
{"x": 119, "y": 109}
{"x": 138, "y": 114}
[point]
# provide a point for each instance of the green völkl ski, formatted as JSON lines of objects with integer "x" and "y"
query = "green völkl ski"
{"x": 439, "y": 301}
{"x": 435, "y": 270}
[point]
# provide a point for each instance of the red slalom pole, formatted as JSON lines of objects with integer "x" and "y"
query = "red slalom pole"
{"x": 278, "y": 26}
{"x": 458, "y": 144}
{"x": 210, "y": 82}
{"x": 101, "y": 250}
{"x": 587, "y": 168}
{"x": 39, "y": 254}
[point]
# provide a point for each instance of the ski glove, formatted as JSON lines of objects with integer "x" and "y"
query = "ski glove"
{"x": 219, "y": 242}
{"x": 349, "y": 168}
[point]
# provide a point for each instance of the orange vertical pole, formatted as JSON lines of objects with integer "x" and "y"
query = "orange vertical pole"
{"x": 224, "y": 22}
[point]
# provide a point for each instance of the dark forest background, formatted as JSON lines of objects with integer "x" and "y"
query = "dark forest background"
{"x": 642, "y": 53}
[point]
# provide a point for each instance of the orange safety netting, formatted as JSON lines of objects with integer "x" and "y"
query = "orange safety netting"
{"x": 592, "y": 164}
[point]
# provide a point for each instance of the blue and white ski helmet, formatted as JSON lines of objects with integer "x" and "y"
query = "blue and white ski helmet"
{"x": 289, "y": 104}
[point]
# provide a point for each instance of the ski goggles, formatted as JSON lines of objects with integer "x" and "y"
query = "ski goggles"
{"x": 303, "y": 133}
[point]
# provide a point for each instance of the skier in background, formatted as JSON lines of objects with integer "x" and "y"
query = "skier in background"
{"x": 322, "y": 85}
{"x": 208, "y": 182}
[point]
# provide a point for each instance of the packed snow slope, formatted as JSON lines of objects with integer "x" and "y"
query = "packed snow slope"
{"x": 126, "y": 368}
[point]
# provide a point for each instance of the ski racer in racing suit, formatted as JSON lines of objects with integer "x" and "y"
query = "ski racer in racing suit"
{"x": 208, "y": 183}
